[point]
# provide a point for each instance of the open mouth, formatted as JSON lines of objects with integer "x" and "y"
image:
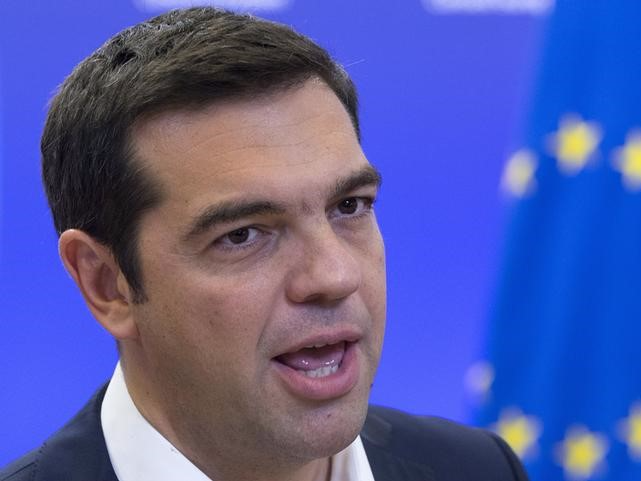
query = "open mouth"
{"x": 316, "y": 361}
{"x": 321, "y": 368}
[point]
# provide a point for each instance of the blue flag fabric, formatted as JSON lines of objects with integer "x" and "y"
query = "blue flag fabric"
{"x": 564, "y": 348}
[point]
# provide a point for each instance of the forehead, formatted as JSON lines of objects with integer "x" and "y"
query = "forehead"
{"x": 290, "y": 136}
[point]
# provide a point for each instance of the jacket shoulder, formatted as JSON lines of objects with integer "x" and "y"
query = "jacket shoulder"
{"x": 450, "y": 450}
{"x": 21, "y": 469}
{"x": 77, "y": 452}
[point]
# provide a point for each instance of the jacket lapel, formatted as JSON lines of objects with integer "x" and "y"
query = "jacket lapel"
{"x": 387, "y": 461}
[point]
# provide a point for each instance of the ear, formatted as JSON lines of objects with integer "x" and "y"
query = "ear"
{"x": 101, "y": 282}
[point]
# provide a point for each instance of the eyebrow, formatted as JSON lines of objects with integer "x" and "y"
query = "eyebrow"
{"x": 232, "y": 211}
{"x": 227, "y": 212}
{"x": 367, "y": 176}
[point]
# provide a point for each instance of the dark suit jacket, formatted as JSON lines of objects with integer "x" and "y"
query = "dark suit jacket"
{"x": 399, "y": 447}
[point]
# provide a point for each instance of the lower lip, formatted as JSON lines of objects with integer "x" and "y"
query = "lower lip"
{"x": 322, "y": 388}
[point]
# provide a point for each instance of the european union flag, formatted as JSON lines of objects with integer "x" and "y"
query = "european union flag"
{"x": 564, "y": 345}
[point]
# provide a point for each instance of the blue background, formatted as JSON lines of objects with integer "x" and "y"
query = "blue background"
{"x": 442, "y": 97}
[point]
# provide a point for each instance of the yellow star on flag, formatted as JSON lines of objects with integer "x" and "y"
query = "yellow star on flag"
{"x": 627, "y": 160}
{"x": 575, "y": 143}
{"x": 478, "y": 380}
{"x": 519, "y": 431}
{"x": 582, "y": 453}
{"x": 630, "y": 430}
{"x": 518, "y": 174}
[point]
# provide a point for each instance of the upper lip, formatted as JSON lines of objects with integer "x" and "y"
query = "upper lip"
{"x": 346, "y": 334}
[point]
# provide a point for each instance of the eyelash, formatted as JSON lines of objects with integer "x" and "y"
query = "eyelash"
{"x": 363, "y": 209}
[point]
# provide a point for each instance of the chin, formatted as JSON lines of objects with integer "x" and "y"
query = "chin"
{"x": 329, "y": 429}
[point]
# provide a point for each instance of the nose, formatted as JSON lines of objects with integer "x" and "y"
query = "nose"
{"x": 324, "y": 270}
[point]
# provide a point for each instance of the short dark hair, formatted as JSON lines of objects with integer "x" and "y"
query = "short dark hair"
{"x": 183, "y": 59}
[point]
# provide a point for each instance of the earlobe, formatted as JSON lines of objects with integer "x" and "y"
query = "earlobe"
{"x": 100, "y": 280}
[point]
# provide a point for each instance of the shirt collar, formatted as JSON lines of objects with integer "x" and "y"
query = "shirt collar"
{"x": 138, "y": 451}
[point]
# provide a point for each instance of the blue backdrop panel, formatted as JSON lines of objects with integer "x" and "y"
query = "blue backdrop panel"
{"x": 440, "y": 97}
{"x": 565, "y": 331}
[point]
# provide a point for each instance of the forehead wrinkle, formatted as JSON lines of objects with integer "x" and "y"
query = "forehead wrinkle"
{"x": 273, "y": 114}
{"x": 159, "y": 134}
{"x": 257, "y": 163}
{"x": 257, "y": 141}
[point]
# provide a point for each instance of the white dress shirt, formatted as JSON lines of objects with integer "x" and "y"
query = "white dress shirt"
{"x": 139, "y": 453}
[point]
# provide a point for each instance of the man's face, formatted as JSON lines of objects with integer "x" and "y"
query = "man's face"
{"x": 265, "y": 273}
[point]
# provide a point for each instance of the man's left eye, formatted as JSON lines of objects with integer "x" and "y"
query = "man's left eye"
{"x": 354, "y": 205}
{"x": 348, "y": 206}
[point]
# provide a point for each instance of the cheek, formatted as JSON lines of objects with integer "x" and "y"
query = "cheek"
{"x": 225, "y": 320}
{"x": 374, "y": 288}
{"x": 373, "y": 265}
{"x": 194, "y": 320}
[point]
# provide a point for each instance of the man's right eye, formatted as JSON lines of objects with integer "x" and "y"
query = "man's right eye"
{"x": 238, "y": 238}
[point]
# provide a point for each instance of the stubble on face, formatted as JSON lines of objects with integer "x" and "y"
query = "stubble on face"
{"x": 205, "y": 370}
